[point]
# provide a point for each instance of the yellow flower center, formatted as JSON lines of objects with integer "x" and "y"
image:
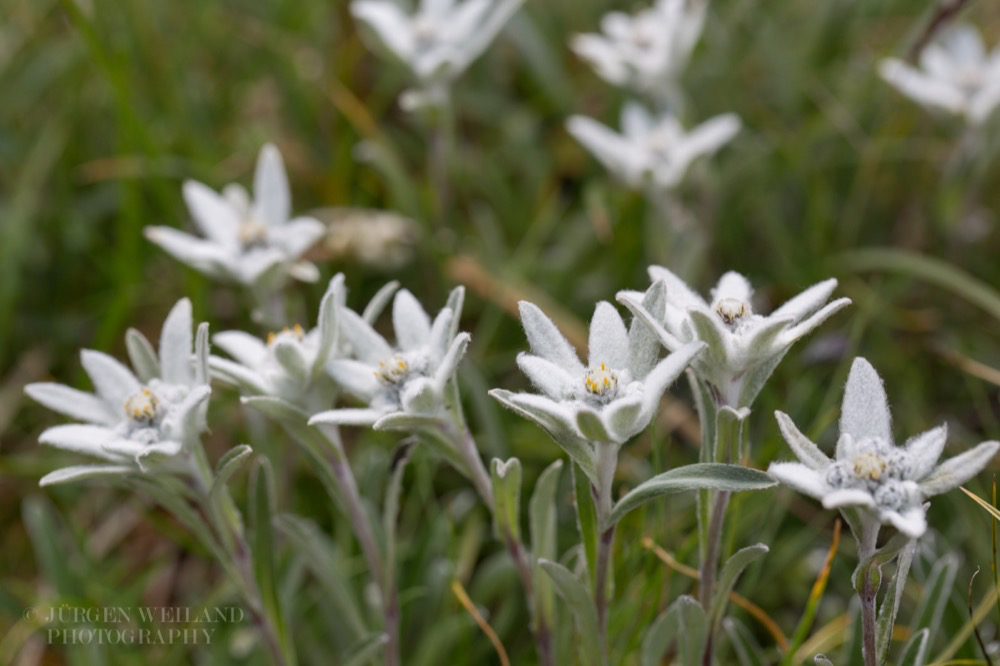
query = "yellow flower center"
{"x": 601, "y": 382}
{"x": 393, "y": 370}
{"x": 295, "y": 331}
{"x": 868, "y": 466}
{"x": 252, "y": 233}
{"x": 142, "y": 406}
{"x": 732, "y": 311}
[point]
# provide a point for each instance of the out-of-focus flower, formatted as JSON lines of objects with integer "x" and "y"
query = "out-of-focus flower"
{"x": 138, "y": 421}
{"x": 609, "y": 400}
{"x": 252, "y": 243}
{"x": 438, "y": 41}
{"x": 652, "y": 151}
{"x": 886, "y": 482}
{"x": 409, "y": 378}
{"x": 956, "y": 75}
{"x": 648, "y": 51}
{"x": 376, "y": 238}
{"x": 743, "y": 347}
{"x": 288, "y": 364}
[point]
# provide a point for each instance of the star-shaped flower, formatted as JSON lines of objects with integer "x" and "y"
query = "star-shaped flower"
{"x": 743, "y": 347}
{"x": 609, "y": 400}
{"x": 409, "y": 377}
{"x": 646, "y": 52}
{"x": 251, "y": 243}
{"x": 652, "y": 151}
{"x": 437, "y": 42}
{"x": 288, "y": 363}
{"x": 956, "y": 75}
{"x": 887, "y": 482}
{"x": 135, "y": 421}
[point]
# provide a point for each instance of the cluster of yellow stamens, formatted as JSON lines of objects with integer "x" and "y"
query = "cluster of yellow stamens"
{"x": 732, "y": 311}
{"x": 392, "y": 371}
{"x": 252, "y": 232}
{"x": 142, "y": 406}
{"x": 297, "y": 331}
{"x": 600, "y": 381}
{"x": 868, "y": 466}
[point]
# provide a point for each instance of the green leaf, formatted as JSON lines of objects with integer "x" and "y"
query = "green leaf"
{"x": 366, "y": 650}
{"x": 890, "y": 603}
{"x": 390, "y": 515}
{"x": 575, "y": 594}
{"x": 142, "y": 355}
{"x": 730, "y": 573}
{"x": 230, "y": 463}
{"x": 684, "y": 622}
{"x": 728, "y": 433}
{"x": 747, "y": 650}
{"x": 915, "y": 651}
{"x": 506, "y": 478}
{"x": 715, "y": 476}
{"x": 874, "y": 563}
{"x": 261, "y": 512}
{"x": 542, "y": 522}
{"x": 586, "y": 518}
{"x": 938, "y": 587}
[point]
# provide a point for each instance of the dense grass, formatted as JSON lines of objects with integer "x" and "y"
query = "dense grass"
{"x": 108, "y": 106}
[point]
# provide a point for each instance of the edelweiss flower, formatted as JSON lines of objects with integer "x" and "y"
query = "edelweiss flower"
{"x": 609, "y": 400}
{"x": 133, "y": 422}
{"x": 956, "y": 75}
{"x": 250, "y": 243}
{"x": 869, "y": 472}
{"x": 651, "y": 151}
{"x": 290, "y": 361}
{"x": 743, "y": 347}
{"x": 439, "y": 41}
{"x": 410, "y": 377}
{"x": 648, "y": 51}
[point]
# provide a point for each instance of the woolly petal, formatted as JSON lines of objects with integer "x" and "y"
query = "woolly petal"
{"x": 865, "y": 409}
{"x": 237, "y": 375}
{"x": 803, "y": 448}
{"x": 554, "y": 417}
{"x": 637, "y": 121}
{"x": 409, "y": 321}
{"x": 912, "y": 522}
{"x": 608, "y": 338}
{"x": 602, "y": 56}
{"x": 956, "y": 471}
{"x": 421, "y": 396}
{"x": 666, "y": 338}
{"x": 88, "y": 439}
{"x": 546, "y": 341}
{"x": 804, "y": 479}
{"x": 297, "y": 236}
{"x": 590, "y": 424}
{"x": 156, "y": 454}
{"x": 732, "y": 285}
{"x": 364, "y": 341}
{"x": 449, "y": 364}
{"x": 378, "y": 302}
{"x": 925, "y": 449}
{"x": 441, "y": 334}
{"x": 113, "y": 381}
{"x": 290, "y": 355}
{"x": 710, "y": 329}
{"x": 610, "y": 148}
{"x": 664, "y": 374}
{"x": 259, "y": 266}
{"x": 271, "y": 200}
{"x": 625, "y": 418}
{"x": 546, "y": 376}
{"x": 245, "y": 348}
{"x": 72, "y": 403}
{"x": 350, "y": 417}
{"x": 215, "y": 217}
{"x": 327, "y": 322}
{"x": 81, "y": 472}
{"x": 808, "y": 301}
{"x": 643, "y": 343}
{"x": 176, "y": 344}
{"x": 707, "y": 138}
{"x": 803, "y": 328}
{"x": 355, "y": 377}
{"x": 207, "y": 257}
{"x": 922, "y": 88}
{"x": 678, "y": 293}
{"x": 836, "y": 499}
{"x": 389, "y": 22}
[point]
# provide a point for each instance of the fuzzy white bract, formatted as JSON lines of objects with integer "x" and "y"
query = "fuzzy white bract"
{"x": 648, "y": 51}
{"x": 251, "y": 243}
{"x": 136, "y": 421}
{"x": 288, "y": 363}
{"x": 611, "y": 398}
{"x": 743, "y": 347}
{"x": 956, "y": 74}
{"x": 651, "y": 152}
{"x": 408, "y": 378}
{"x": 887, "y": 482}
{"x": 438, "y": 41}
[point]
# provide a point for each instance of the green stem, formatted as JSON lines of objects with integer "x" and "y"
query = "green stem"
{"x": 866, "y": 548}
{"x": 607, "y": 462}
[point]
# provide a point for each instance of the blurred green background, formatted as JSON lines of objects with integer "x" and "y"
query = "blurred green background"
{"x": 109, "y": 105}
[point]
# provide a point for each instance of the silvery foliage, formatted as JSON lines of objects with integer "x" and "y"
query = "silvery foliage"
{"x": 290, "y": 364}
{"x": 611, "y": 398}
{"x": 251, "y": 243}
{"x": 646, "y": 52}
{"x": 886, "y": 482}
{"x": 743, "y": 347}
{"x": 652, "y": 151}
{"x": 144, "y": 420}
{"x": 438, "y": 41}
{"x": 955, "y": 75}
{"x": 409, "y": 378}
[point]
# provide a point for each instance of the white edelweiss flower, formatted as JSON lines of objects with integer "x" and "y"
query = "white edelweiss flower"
{"x": 409, "y": 377}
{"x": 648, "y": 51}
{"x": 290, "y": 362}
{"x": 135, "y": 421}
{"x": 743, "y": 347}
{"x": 609, "y": 400}
{"x": 438, "y": 41}
{"x": 955, "y": 75}
{"x": 652, "y": 151}
{"x": 887, "y": 482}
{"x": 251, "y": 243}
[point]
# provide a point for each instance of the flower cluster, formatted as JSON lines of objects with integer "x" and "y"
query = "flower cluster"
{"x": 888, "y": 483}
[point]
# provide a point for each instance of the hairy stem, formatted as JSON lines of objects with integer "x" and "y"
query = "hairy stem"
{"x": 868, "y": 593}
{"x": 710, "y": 563}
{"x": 607, "y": 462}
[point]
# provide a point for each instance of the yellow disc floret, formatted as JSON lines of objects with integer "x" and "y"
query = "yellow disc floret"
{"x": 142, "y": 406}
